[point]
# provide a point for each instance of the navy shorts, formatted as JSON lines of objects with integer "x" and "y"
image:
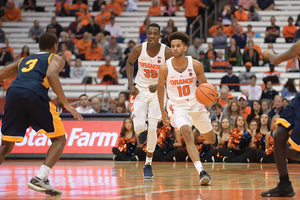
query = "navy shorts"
{"x": 290, "y": 119}
{"x": 20, "y": 113}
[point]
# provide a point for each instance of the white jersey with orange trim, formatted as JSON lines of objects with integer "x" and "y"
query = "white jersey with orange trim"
{"x": 148, "y": 66}
{"x": 181, "y": 86}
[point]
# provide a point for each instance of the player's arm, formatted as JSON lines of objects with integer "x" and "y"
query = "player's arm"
{"x": 198, "y": 68}
{"x": 267, "y": 140}
{"x": 55, "y": 66}
{"x": 9, "y": 71}
{"x": 162, "y": 76}
{"x": 289, "y": 54}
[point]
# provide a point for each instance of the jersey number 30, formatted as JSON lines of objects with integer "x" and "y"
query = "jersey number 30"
{"x": 184, "y": 90}
{"x": 150, "y": 73}
{"x": 31, "y": 63}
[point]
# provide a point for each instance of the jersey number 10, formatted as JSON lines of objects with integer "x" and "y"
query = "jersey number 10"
{"x": 184, "y": 90}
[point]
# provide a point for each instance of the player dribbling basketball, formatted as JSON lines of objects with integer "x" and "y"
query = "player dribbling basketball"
{"x": 180, "y": 74}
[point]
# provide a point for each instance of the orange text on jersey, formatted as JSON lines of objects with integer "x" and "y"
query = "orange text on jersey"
{"x": 182, "y": 81}
{"x": 149, "y": 65}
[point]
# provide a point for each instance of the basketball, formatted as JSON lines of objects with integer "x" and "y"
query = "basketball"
{"x": 206, "y": 94}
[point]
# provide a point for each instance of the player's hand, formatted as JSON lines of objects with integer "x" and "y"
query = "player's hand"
{"x": 134, "y": 91}
{"x": 74, "y": 112}
{"x": 153, "y": 88}
{"x": 165, "y": 118}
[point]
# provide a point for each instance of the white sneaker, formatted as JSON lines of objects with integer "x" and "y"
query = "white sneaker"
{"x": 213, "y": 159}
{"x": 174, "y": 158}
{"x": 43, "y": 186}
{"x": 224, "y": 158}
{"x": 114, "y": 158}
{"x": 248, "y": 161}
{"x": 187, "y": 159}
{"x": 261, "y": 160}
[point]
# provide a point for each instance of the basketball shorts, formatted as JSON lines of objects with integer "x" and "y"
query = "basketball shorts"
{"x": 145, "y": 105}
{"x": 290, "y": 119}
{"x": 20, "y": 113}
{"x": 189, "y": 112}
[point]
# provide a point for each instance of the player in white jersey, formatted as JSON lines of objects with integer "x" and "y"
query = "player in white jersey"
{"x": 180, "y": 75}
{"x": 150, "y": 55}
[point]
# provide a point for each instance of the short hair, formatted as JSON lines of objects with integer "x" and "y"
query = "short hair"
{"x": 47, "y": 41}
{"x": 154, "y": 25}
{"x": 216, "y": 105}
{"x": 220, "y": 27}
{"x": 83, "y": 95}
{"x": 253, "y": 76}
{"x": 249, "y": 25}
{"x": 251, "y": 9}
{"x": 179, "y": 36}
{"x": 290, "y": 18}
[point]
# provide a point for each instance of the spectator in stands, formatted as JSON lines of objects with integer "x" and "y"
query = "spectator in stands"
{"x": 76, "y": 7}
{"x": 65, "y": 72}
{"x": 96, "y": 105}
{"x": 253, "y": 89}
{"x": 107, "y": 69}
{"x": 29, "y": 5}
{"x": 247, "y": 4}
{"x": 256, "y": 112}
{"x": 191, "y": 13}
{"x": 25, "y": 52}
{"x": 36, "y": 31}
{"x": 78, "y": 71}
{"x": 240, "y": 37}
{"x": 271, "y": 75}
{"x": 217, "y": 108}
{"x": 265, "y": 106}
{"x": 234, "y": 56}
{"x": 143, "y": 28}
{"x": 231, "y": 29}
{"x": 9, "y": 48}
{"x": 120, "y": 107}
{"x": 94, "y": 52}
{"x": 234, "y": 109}
{"x": 289, "y": 89}
{"x": 154, "y": 10}
{"x": 272, "y": 32}
{"x": 60, "y": 107}
{"x": 219, "y": 64}
{"x": 103, "y": 16}
{"x": 62, "y": 9}
{"x": 105, "y": 33}
{"x": 92, "y": 27}
{"x": 114, "y": 8}
{"x": 101, "y": 40}
{"x": 253, "y": 15}
{"x": 292, "y": 65}
{"x": 205, "y": 62}
{"x": 127, "y": 53}
{"x": 57, "y": 1}
{"x": 224, "y": 95}
{"x": 241, "y": 14}
{"x": 289, "y": 31}
{"x": 57, "y": 29}
{"x": 195, "y": 48}
{"x": 244, "y": 109}
{"x": 297, "y": 34}
{"x": 231, "y": 80}
{"x": 84, "y": 107}
{"x": 65, "y": 53}
{"x": 112, "y": 106}
{"x": 83, "y": 44}
{"x": 264, "y": 5}
{"x": 269, "y": 93}
{"x": 115, "y": 30}
{"x": 11, "y": 13}
{"x": 73, "y": 25}
{"x": 97, "y": 5}
{"x": 2, "y": 34}
{"x": 85, "y": 15}
{"x": 278, "y": 107}
{"x": 211, "y": 54}
{"x": 250, "y": 33}
{"x": 245, "y": 92}
{"x": 123, "y": 97}
{"x": 245, "y": 76}
{"x": 227, "y": 13}
{"x": 113, "y": 50}
{"x": 256, "y": 47}
{"x": 220, "y": 39}
{"x": 5, "y": 55}
{"x": 169, "y": 9}
{"x": 73, "y": 39}
{"x": 166, "y": 31}
{"x": 79, "y": 31}
{"x": 213, "y": 29}
{"x": 232, "y": 42}
{"x": 251, "y": 55}
{"x": 64, "y": 38}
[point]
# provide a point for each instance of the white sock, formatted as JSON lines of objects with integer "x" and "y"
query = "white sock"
{"x": 148, "y": 160}
{"x": 198, "y": 166}
{"x": 44, "y": 172}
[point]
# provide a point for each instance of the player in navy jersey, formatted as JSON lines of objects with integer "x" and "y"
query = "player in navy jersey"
{"x": 28, "y": 104}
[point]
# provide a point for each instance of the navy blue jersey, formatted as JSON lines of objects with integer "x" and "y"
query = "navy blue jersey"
{"x": 31, "y": 80}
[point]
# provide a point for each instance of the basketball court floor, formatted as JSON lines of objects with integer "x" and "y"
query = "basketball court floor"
{"x": 96, "y": 179}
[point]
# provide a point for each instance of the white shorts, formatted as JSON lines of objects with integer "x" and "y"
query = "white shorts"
{"x": 189, "y": 112}
{"x": 145, "y": 105}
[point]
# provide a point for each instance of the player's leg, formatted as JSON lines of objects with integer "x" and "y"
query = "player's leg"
{"x": 139, "y": 112}
{"x": 293, "y": 154}
{"x": 5, "y": 149}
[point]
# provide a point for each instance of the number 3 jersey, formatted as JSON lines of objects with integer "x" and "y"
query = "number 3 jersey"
{"x": 31, "y": 80}
{"x": 148, "y": 66}
{"x": 181, "y": 86}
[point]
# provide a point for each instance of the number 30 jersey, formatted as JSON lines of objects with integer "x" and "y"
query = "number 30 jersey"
{"x": 31, "y": 80}
{"x": 148, "y": 66}
{"x": 181, "y": 86}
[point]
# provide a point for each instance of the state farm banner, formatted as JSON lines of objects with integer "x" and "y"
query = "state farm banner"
{"x": 83, "y": 137}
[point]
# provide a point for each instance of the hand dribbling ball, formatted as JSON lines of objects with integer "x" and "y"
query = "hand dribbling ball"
{"x": 206, "y": 94}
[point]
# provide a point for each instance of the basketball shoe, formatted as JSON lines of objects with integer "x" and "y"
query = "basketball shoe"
{"x": 43, "y": 185}
{"x": 282, "y": 190}
{"x": 148, "y": 172}
{"x": 204, "y": 178}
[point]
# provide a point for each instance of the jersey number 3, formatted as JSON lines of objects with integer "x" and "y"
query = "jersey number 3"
{"x": 31, "y": 63}
{"x": 184, "y": 90}
{"x": 150, "y": 73}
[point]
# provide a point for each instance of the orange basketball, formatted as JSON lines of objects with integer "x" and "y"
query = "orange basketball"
{"x": 206, "y": 94}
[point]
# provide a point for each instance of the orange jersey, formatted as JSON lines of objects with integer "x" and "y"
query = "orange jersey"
{"x": 22, "y": 55}
{"x": 116, "y": 8}
{"x": 94, "y": 54}
{"x": 241, "y": 17}
{"x": 66, "y": 6}
{"x": 223, "y": 103}
{"x": 154, "y": 11}
{"x": 107, "y": 70}
{"x": 12, "y": 14}
{"x": 77, "y": 7}
{"x": 214, "y": 30}
{"x": 289, "y": 31}
{"x": 85, "y": 18}
{"x": 103, "y": 18}
{"x": 191, "y": 7}
{"x": 82, "y": 46}
{"x": 291, "y": 64}
{"x": 247, "y": 112}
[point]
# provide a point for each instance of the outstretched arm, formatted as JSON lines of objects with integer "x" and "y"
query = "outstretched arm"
{"x": 9, "y": 71}
{"x": 163, "y": 72}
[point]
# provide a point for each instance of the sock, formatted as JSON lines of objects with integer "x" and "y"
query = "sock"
{"x": 198, "y": 166}
{"x": 148, "y": 160}
{"x": 44, "y": 172}
{"x": 284, "y": 179}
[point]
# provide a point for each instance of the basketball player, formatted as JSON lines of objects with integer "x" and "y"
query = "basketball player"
{"x": 287, "y": 136}
{"x": 150, "y": 55}
{"x": 28, "y": 104}
{"x": 180, "y": 74}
